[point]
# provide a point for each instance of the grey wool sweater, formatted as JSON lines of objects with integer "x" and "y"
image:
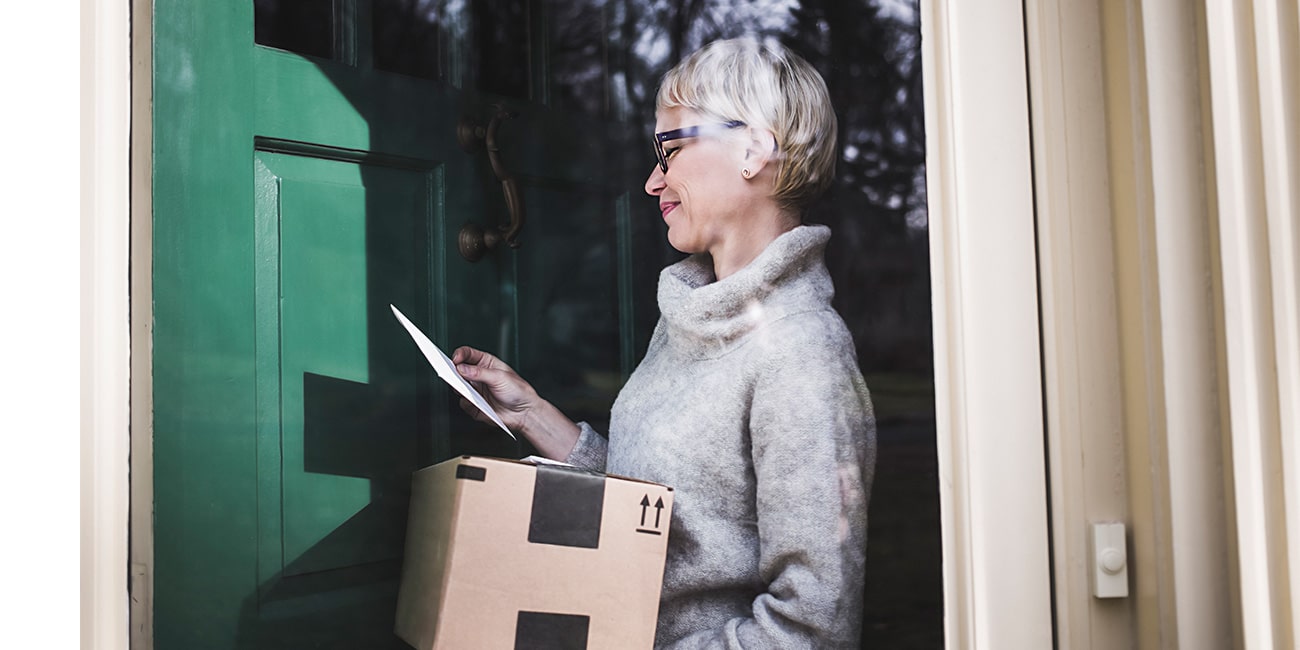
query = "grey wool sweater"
{"x": 750, "y": 404}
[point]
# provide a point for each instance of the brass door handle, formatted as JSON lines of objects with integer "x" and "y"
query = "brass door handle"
{"x": 474, "y": 240}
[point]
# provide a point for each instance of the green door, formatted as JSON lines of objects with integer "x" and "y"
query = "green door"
{"x": 306, "y": 174}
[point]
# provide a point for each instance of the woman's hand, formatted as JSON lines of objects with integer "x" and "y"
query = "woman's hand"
{"x": 500, "y": 385}
{"x": 516, "y": 402}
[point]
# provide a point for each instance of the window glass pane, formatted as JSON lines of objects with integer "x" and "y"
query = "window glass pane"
{"x": 878, "y": 255}
{"x": 406, "y": 37}
{"x": 501, "y": 42}
{"x": 578, "y": 55}
{"x": 302, "y": 26}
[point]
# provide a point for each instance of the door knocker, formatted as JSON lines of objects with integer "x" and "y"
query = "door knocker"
{"x": 474, "y": 240}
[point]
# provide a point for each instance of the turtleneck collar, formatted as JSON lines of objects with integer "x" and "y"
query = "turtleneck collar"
{"x": 711, "y": 316}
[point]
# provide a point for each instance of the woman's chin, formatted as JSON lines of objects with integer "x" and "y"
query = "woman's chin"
{"x": 680, "y": 245}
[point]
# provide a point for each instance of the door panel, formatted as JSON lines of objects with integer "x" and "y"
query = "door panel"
{"x": 349, "y": 414}
{"x": 343, "y": 413}
{"x": 323, "y": 352}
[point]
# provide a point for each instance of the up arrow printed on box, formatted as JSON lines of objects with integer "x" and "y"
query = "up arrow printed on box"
{"x": 645, "y": 510}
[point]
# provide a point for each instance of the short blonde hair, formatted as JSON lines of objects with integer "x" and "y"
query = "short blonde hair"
{"x": 769, "y": 87}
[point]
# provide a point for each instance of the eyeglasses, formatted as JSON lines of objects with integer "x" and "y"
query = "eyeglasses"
{"x": 687, "y": 132}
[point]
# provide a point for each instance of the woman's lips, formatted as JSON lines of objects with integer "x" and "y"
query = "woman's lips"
{"x": 665, "y": 208}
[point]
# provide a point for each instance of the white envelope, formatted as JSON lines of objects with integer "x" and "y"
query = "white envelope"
{"x": 445, "y": 369}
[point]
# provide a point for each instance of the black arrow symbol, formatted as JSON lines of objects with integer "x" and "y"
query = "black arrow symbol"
{"x": 645, "y": 504}
{"x": 659, "y": 506}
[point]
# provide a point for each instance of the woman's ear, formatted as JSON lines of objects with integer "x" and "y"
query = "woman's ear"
{"x": 760, "y": 149}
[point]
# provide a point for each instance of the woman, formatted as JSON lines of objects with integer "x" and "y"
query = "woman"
{"x": 749, "y": 402}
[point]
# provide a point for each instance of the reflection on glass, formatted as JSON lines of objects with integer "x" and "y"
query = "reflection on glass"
{"x": 878, "y": 256}
{"x": 567, "y": 281}
{"x": 406, "y": 37}
{"x": 578, "y": 56}
{"x": 302, "y": 26}
{"x": 501, "y": 32}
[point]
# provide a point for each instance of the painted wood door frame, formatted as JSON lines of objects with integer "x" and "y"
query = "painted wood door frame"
{"x": 106, "y": 111}
{"x": 988, "y": 368}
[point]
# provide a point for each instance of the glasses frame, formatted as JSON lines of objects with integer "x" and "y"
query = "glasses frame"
{"x": 687, "y": 132}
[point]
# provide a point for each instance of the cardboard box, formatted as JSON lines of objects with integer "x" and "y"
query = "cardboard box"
{"x": 509, "y": 554}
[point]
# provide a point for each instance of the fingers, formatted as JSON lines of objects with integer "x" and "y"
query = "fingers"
{"x": 466, "y": 355}
{"x": 494, "y": 379}
{"x": 508, "y": 394}
{"x": 463, "y": 354}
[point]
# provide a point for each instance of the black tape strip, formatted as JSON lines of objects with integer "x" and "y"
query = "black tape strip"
{"x": 471, "y": 472}
{"x": 566, "y": 508}
{"x": 547, "y": 631}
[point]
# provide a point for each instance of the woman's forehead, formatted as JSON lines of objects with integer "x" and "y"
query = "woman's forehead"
{"x": 667, "y": 119}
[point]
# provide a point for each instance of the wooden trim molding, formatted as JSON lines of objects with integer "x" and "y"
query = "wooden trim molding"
{"x": 1179, "y": 286}
{"x": 105, "y": 382}
{"x": 1081, "y": 341}
{"x": 988, "y": 374}
{"x": 142, "y": 529}
{"x": 1129, "y": 342}
{"x": 1254, "y": 88}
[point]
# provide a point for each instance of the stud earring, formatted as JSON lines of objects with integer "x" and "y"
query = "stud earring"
{"x": 745, "y": 173}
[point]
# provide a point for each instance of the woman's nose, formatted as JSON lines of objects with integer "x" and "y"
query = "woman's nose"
{"x": 654, "y": 185}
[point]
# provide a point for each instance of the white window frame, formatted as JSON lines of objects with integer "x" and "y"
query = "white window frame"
{"x": 988, "y": 369}
{"x": 105, "y": 319}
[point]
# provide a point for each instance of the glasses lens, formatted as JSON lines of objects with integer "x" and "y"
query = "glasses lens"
{"x": 659, "y": 153}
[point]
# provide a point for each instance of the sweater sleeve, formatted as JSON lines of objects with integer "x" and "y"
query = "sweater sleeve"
{"x": 813, "y": 449}
{"x": 591, "y": 450}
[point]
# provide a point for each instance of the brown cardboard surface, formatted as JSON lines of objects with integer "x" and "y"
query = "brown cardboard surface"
{"x": 429, "y": 529}
{"x": 470, "y": 569}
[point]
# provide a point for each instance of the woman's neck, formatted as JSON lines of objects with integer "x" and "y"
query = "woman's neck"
{"x": 749, "y": 241}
